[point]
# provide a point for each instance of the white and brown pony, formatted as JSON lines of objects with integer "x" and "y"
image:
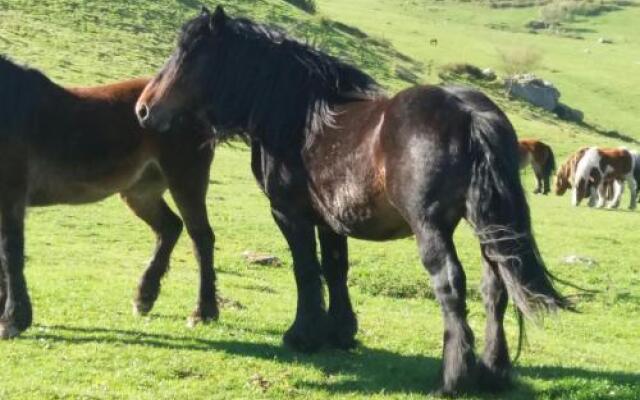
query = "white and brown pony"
{"x": 540, "y": 156}
{"x": 601, "y": 167}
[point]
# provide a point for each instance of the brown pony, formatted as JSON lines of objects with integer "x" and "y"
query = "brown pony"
{"x": 75, "y": 146}
{"x": 566, "y": 172}
{"x": 540, "y": 156}
{"x": 336, "y": 157}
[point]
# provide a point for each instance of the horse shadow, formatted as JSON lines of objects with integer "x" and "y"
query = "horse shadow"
{"x": 369, "y": 371}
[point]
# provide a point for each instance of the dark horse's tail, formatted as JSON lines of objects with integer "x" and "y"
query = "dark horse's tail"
{"x": 497, "y": 208}
{"x": 550, "y": 164}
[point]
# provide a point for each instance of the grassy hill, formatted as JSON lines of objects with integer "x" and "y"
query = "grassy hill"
{"x": 84, "y": 262}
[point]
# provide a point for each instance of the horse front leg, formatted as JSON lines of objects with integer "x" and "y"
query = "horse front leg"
{"x": 537, "y": 172}
{"x": 309, "y": 330}
{"x": 602, "y": 194}
{"x": 343, "y": 324}
{"x": 187, "y": 175}
{"x": 17, "y": 313}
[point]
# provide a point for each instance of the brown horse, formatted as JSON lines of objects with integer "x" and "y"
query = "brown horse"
{"x": 336, "y": 157}
{"x": 75, "y": 146}
{"x": 566, "y": 173}
{"x": 540, "y": 156}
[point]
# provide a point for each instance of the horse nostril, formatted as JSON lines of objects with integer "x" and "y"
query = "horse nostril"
{"x": 143, "y": 112}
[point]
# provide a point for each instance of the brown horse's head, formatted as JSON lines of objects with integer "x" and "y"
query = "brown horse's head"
{"x": 564, "y": 177}
{"x": 182, "y": 83}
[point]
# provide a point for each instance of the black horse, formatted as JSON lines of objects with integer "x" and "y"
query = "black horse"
{"x": 332, "y": 153}
{"x": 81, "y": 145}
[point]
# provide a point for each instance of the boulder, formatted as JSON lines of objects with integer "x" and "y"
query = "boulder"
{"x": 261, "y": 258}
{"x": 489, "y": 74}
{"x": 533, "y": 90}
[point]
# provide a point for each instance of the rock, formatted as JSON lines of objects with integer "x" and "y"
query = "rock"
{"x": 575, "y": 259}
{"x": 488, "y": 74}
{"x": 533, "y": 90}
{"x": 568, "y": 114}
{"x": 261, "y": 258}
{"x": 603, "y": 40}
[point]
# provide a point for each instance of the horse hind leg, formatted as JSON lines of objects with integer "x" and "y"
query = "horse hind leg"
{"x": 495, "y": 366}
{"x": 343, "y": 324}
{"x": 613, "y": 193}
{"x": 633, "y": 190}
{"x": 439, "y": 257}
{"x": 153, "y": 210}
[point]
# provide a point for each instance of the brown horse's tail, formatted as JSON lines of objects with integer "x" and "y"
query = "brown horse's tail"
{"x": 550, "y": 164}
{"x": 498, "y": 210}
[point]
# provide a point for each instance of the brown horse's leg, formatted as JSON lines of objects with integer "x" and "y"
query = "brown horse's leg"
{"x": 343, "y": 324}
{"x": 17, "y": 313}
{"x": 308, "y": 332}
{"x": 188, "y": 179}
{"x": 537, "y": 171}
{"x": 152, "y": 209}
{"x": 439, "y": 257}
{"x": 495, "y": 365}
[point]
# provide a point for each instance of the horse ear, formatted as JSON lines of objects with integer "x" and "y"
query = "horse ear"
{"x": 217, "y": 20}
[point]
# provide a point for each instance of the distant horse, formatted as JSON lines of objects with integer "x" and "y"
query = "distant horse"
{"x": 566, "y": 175}
{"x": 567, "y": 171}
{"x": 76, "y": 146}
{"x": 542, "y": 160}
{"x": 332, "y": 153}
{"x": 602, "y": 165}
{"x": 433, "y": 42}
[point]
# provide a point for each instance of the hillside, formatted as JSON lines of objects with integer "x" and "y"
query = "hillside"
{"x": 84, "y": 262}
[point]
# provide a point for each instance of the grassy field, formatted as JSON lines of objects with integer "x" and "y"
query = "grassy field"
{"x": 84, "y": 262}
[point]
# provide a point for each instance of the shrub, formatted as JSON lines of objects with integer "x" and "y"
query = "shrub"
{"x": 566, "y": 10}
{"x": 308, "y": 6}
{"x": 520, "y": 60}
{"x": 461, "y": 69}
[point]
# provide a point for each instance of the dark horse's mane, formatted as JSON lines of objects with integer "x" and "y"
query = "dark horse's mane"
{"x": 272, "y": 86}
{"x": 19, "y": 88}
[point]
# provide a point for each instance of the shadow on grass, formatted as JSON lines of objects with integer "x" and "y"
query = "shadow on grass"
{"x": 364, "y": 371}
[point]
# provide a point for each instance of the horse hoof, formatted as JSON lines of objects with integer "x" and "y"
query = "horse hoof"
{"x": 203, "y": 315}
{"x": 342, "y": 343}
{"x": 342, "y": 336}
{"x": 302, "y": 343}
{"x": 493, "y": 379}
{"x": 141, "y": 309}
{"x": 8, "y": 331}
{"x": 444, "y": 393}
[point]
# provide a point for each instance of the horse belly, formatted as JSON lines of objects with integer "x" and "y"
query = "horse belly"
{"x": 365, "y": 217}
{"x": 50, "y": 186}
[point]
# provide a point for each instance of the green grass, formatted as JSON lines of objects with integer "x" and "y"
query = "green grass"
{"x": 84, "y": 262}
